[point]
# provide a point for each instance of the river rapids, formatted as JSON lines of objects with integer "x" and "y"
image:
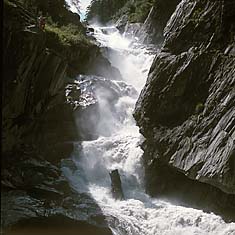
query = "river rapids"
{"x": 118, "y": 147}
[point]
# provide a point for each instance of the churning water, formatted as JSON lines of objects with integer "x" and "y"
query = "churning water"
{"x": 118, "y": 148}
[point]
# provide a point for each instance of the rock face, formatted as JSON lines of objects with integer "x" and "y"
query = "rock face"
{"x": 33, "y": 85}
{"x": 152, "y": 29}
{"x": 36, "y": 198}
{"x": 116, "y": 185}
{"x": 186, "y": 110}
{"x": 132, "y": 30}
{"x": 39, "y": 127}
{"x": 36, "y": 71}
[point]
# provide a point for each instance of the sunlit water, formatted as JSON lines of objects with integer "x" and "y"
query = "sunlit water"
{"x": 118, "y": 148}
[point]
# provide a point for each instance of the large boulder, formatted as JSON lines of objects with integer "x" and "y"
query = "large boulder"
{"x": 36, "y": 198}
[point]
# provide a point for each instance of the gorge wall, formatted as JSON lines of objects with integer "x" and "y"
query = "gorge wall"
{"x": 151, "y": 30}
{"x": 186, "y": 110}
{"x": 38, "y": 124}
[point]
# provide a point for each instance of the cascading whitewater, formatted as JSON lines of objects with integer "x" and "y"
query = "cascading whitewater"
{"x": 118, "y": 148}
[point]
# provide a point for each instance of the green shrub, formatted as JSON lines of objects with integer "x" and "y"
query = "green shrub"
{"x": 68, "y": 35}
{"x": 142, "y": 10}
{"x": 137, "y": 11}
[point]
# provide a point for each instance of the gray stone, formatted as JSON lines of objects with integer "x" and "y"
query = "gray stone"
{"x": 195, "y": 68}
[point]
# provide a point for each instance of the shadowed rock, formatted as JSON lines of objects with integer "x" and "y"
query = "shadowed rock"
{"x": 186, "y": 109}
{"x": 116, "y": 185}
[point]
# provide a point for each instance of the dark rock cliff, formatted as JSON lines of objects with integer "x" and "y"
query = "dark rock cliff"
{"x": 186, "y": 110}
{"x": 38, "y": 128}
{"x": 152, "y": 29}
{"x": 149, "y": 31}
{"x": 37, "y": 67}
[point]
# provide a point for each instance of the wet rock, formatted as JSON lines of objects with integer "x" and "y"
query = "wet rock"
{"x": 116, "y": 185}
{"x": 23, "y": 214}
{"x": 152, "y": 29}
{"x": 88, "y": 111}
{"x": 131, "y": 30}
{"x": 59, "y": 151}
{"x": 36, "y": 194}
{"x": 39, "y": 128}
{"x": 57, "y": 224}
{"x": 121, "y": 23}
{"x": 91, "y": 29}
{"x": 186, "y": 109}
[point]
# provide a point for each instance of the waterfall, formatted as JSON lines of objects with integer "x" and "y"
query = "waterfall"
{"x": 118, "y": 147}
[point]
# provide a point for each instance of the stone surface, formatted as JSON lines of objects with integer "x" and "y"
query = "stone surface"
{"x": 186, "y": 109}
{"x": 37, "y": 68}
{"x": 39, "y": 128}
{"x": 35, "y": 198}
{"x": 116, "y": 185}
{"x": 152, "y": 29}
{"x": 121, "y": 23}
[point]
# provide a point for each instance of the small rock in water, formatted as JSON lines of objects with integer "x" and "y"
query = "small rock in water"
{"x": 116, "y": 185}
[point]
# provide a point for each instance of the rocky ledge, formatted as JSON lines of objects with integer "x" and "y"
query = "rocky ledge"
{"x": 186, "y": 110}
{"x": 37, "y": 199}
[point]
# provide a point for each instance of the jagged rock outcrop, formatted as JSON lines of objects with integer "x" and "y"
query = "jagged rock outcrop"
{"x": 36, "y": 198}
{"x": 186, "y": 110}
{"x": 151, "y": 30}
{"x": 97, "y": 98}
{"x": 36, "y": 65}
{"x": 131, "y": 30}
{"x": 38, "y": 126}
{"x": 121, "y": 23}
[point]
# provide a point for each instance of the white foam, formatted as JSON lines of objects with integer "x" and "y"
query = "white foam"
{"x": 138, "y": 214}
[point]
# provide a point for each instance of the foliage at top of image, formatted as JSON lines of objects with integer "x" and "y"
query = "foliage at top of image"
{"x": 137, "y": 11}
{"x": 58, "y": 10}
{"x": 103, "y": 10}
{"x": 62, "y": 25}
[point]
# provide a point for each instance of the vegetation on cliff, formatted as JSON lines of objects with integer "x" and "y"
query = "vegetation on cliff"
{"x": 104, "y": 11}
{"x": 137, "y": 11}
{"x": 59, "y": 20}
{"x": 58, "y": 10}
{"x": 68, "y": 35}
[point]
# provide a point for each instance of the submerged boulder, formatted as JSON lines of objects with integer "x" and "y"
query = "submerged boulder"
{"x": 116, "y": 185}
